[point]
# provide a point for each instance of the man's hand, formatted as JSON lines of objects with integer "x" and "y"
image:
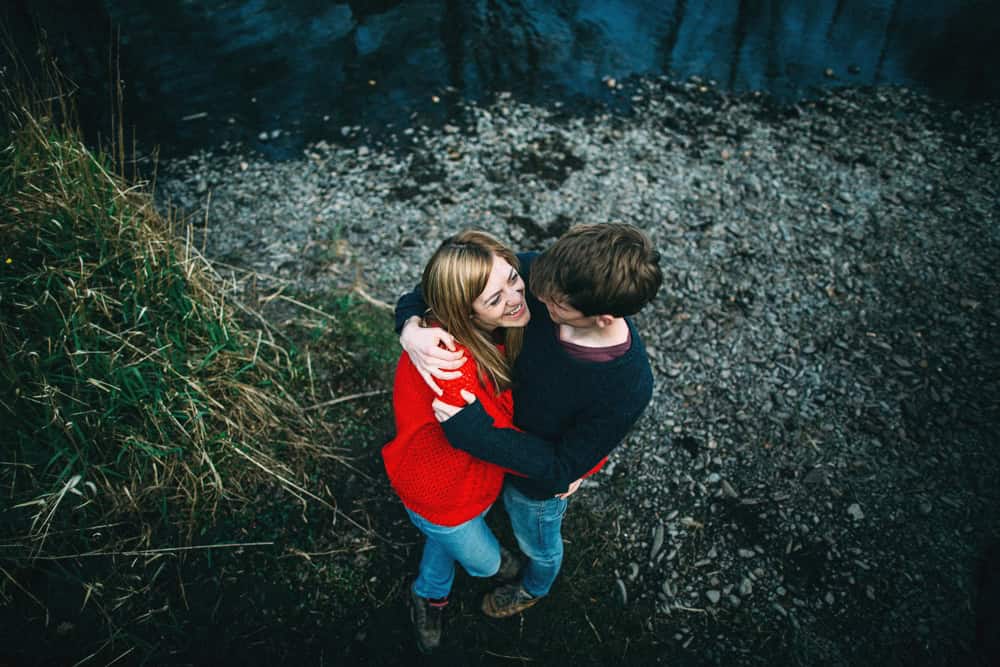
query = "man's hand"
{"x": 444, "y": 411}
{"x": 424, "y": 345}
{"x": 571, "y": 490}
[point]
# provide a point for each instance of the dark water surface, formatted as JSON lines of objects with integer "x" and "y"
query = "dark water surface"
{"x": 282, "y": 73}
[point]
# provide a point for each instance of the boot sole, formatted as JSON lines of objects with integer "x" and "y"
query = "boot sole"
{"x": 490, "y": 609}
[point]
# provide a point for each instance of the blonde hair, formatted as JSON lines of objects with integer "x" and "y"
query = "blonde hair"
{"x": 453, "y": 279}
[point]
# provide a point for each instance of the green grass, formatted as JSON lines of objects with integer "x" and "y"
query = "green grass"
{"x": 147, "y": 410}
{"x": 126, "y": 379}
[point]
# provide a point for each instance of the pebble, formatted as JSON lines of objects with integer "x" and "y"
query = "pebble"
{"x": 658, "y": 534}
{"x": 855, "y": 511}
{"x": 713, "y": 596}
{"x": 622, "y": 592}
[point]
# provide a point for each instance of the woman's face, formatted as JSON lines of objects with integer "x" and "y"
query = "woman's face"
{"x": 502, "y": 303}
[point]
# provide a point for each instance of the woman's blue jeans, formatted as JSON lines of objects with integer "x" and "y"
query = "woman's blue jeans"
{"x": 471, "y": 543}
{"x": 538, "y": 528}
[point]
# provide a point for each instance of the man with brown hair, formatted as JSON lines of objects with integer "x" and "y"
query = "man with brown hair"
{"x": 581, "y": 382}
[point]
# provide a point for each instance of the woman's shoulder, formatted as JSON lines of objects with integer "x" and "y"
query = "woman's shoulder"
{"x": 468, "y": 380}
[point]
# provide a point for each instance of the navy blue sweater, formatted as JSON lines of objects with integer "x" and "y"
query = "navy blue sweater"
{"x": 573, "y": 413}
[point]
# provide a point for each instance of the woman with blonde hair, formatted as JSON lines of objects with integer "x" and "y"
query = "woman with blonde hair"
{"x": 474, "y": 291}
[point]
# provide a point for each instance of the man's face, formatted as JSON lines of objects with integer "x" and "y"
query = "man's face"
{"x": 562, "y": 313}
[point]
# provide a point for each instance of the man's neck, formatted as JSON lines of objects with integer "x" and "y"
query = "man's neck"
{"x": 614, "y": 333}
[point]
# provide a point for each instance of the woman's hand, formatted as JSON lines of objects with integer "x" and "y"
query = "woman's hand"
{"x": 444, "y": 411}
{"x": 432, "y": 351}
{"x": 571, "y": 490}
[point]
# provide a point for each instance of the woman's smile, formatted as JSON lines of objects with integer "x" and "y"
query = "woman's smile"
{"x": 516, "y": 311}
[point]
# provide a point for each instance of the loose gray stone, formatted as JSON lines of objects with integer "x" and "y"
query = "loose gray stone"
{"x": 658, "y": 534}
{"x": 622, "y": 592}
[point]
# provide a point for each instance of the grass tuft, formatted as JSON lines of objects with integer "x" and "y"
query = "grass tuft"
{"x": 126, "y": 381}
{"x": 154, "y": 447}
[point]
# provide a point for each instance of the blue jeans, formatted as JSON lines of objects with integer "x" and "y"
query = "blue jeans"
{"x": 538, "y": 528}
{"x": 471, "y": 543}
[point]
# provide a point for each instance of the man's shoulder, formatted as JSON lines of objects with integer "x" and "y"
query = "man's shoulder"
{"x": 526, "y": 259}
{"x": 632, "y": 372}
{"x": 527, "y": 255}
{"x": 637, "y": 341}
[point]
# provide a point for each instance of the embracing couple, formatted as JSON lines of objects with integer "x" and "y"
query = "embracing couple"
{"x": 520, "y": 374}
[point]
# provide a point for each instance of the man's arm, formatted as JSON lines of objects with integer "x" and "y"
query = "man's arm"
{"x": 408, "y": 306}
{"x": 554, "y": 464}
{"x": 431, "y": 349}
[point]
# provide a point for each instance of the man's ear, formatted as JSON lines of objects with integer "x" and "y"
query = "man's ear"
{"x": 604, "y": 321}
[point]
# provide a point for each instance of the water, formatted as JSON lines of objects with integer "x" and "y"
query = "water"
{"x": 279, "y": 74}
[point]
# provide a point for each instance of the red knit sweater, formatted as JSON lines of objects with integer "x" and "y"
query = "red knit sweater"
{"x": 442, "y": 484}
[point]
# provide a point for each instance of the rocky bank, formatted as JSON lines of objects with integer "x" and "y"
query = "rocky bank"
{"x": 819, "y": 464}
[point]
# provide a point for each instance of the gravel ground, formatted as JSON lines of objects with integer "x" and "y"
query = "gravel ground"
{"x": 819, "y": 459}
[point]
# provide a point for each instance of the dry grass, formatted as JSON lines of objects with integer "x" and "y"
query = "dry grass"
{"x": 150, "y": 415}
{"x": 128, "y": 386}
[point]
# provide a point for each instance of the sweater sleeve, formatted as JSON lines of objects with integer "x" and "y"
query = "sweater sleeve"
{"x": 408, "y": 305}
{"x": 496, "y": 406}
{"x": 554, "y": 464}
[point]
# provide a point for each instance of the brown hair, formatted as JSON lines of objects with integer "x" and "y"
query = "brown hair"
{"x": 453, "y": 279}
{"x": 602, "y": 269}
